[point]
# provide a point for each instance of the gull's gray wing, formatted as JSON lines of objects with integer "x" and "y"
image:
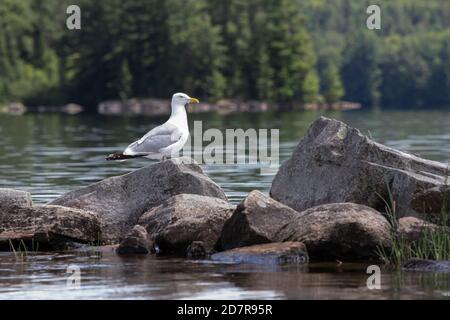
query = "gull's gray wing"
{"x": 156, "y": 139}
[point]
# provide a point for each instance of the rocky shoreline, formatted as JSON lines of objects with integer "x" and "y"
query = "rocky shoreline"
{"x": 326, "y": 204}
{"x": 160, "y": 107}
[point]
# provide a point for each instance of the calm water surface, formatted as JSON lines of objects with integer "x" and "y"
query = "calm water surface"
{"x": 49, "y": 154}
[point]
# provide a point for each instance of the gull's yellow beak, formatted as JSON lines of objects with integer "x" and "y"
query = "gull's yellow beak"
{"x": 193, "y": 100}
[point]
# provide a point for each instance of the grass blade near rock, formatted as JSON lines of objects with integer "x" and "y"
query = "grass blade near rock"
{"x": 433, "y": 243}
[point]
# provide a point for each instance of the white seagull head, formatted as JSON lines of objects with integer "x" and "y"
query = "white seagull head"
{"x": 182, "y": 99}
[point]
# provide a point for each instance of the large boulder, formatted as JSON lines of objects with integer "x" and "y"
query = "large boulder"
{"x": 47, "y": 227}
{"x": 186, "y": 218}
{"x": 271, "y": 253}
{"x": 11, "y": 197}
{"x": 120, "y": 201}
{"x": 256, "y": 220}
{"x": 336, "y": 163}
{"x": 344, "y": 231}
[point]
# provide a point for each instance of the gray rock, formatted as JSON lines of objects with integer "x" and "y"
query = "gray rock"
{"x": 344, "y": 231}
{"x": 120, "y": 201}
{"x": 185, "y": 218}
{"x": 47, "y": 227}
{"x": 137, "y": 241}
{"x": 336, "y": 163}
{"x": 412, "y": 229}
{"x": 426, "y": 265}
{"x": 256, "y": 220}
{"x": 272, "y": 253}
{"x": 11, "y": 197}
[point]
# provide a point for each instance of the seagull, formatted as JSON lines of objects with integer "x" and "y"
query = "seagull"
{"x": 164, "y": 140}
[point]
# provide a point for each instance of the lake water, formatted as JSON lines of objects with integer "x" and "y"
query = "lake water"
{"x": 49, "y": 154}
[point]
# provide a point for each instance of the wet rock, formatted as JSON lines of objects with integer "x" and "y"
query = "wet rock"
{"x": 47, "y": 227}
{"x": 234, "y": 105}
{"x": 256, "y": 220}
{"x": 196, "y": 250}
{"x": 160, "y": 107}
{"x": 136, "y": 241}
{"x": 120, "y": 201}
{"x": 271, "y": 253}
{"x": 72, "y": 108}
{"x": 148, "y": 107}
{"x": 340, "y": 106}
{"x": 336, "y": 163}
{"x": 412, "y": 229}
{"x": 11, "y": 197}
{"x": 186, "y": 218}
{"x": 426, "y": 265}
{"x": 344, "y": 231}
{"x": 15, "y": 108}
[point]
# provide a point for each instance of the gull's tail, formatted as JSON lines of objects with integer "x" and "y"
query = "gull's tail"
{"x": 120, "y": 156}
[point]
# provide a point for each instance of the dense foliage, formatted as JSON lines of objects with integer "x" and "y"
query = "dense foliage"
{"x": 277, "y": 50}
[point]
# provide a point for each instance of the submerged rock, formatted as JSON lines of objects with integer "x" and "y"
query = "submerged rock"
{"x": 426, "y": 265}
{"x": 256, "y": 220}
{"x": 136, "y": 241}
{"x": 186, "y": 218}
{"x": 336, "y": 163}
{"x": 272, "y": 253}
{"x": 120, "y": 201}
{"x": 344, "y": 231}
{"x": 47, "y": 227}
{"x": 11, "y": 197}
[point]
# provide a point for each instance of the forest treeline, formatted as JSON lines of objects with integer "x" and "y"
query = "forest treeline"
{"x": 289, "y": 51}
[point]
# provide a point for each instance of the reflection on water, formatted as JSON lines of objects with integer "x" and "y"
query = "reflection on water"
{"x": 51, "y": 154}
{"x": 108, "y": 276}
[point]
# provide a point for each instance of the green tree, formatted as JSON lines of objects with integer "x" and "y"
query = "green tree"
{"x": 196, "y": 55}
{"x": 360, "y": 72}
{"x": 247, "y": 49}
{"x": 437, "y": 91}
{"x": 290, "y": 50}
{"x": 405, "y": 74}
{"x": 333, "y": 89}
{"x": 125, "y": 81}
{"x": 233, "y": 19}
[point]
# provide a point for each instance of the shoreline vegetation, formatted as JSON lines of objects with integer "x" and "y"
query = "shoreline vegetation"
{"x": 371, "y": 203}
{"x": 287, "y": 51}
